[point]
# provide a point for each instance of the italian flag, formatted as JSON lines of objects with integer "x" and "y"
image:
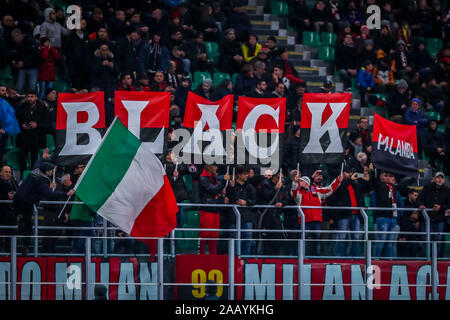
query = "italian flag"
{"x": 126, "y": 184}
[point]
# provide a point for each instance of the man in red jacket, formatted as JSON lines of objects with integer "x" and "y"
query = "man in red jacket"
{"x": 304, "y": 195}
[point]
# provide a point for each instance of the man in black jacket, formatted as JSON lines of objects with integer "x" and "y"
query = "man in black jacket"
{"x": 8, "y": 188}
{"x": 272, "y": 192}
{"x": 434, "y": 144}
{"x": 385, "y": 197}
{"x": 436, "y": 196}
{"x": 349, "y": 194}
{"x": 231, "y": 57}
{"x": 78, "y": 51}
{"x": 33, "y": 189}
{"x": 242, "y": 193}
{"x": 397, "y": 102}
{"x": 345, "y": 58}
{"x": 211, "y": 192}
{"x": 32, "y": 118}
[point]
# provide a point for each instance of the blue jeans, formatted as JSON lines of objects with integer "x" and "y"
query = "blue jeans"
{"x": 43, "y": 85}
{"x": 78, "y": 244}
{"x": 352, "y": 223}
{"x": 385, "y": 224}
{"x": 313, "y": 245}
{"x": 27, "y": 74}
{"x": 248, "y": 246}
{"x": 438, "y": 227}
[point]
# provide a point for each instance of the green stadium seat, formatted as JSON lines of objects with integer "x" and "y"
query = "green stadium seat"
{"x": 5, "y": 74}
{"x": 13, "y": 159}
{"x": 311, "y": 39}
{"x": 212, "y": 49}
{"x": 218, "y": 77}
{"x": 434, "y": 115}
{"x": 279, "y": 8}
{"x": 328, "y": 38}
{"x": 199, "y": 76}
{"x": 50, "y": 142}
{"x": 60, "y": 86}
{"x": 25, "y": 174}
{"x": 326, "y": 53}
{"x": 192, "y": 218}
{"x": 433, "y": 45}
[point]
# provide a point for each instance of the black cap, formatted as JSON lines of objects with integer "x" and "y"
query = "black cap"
{"x": 46, "y": 166}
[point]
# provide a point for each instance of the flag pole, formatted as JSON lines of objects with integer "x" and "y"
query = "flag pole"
{"x": 228, "y": 171}
{"x": 176, "y": 169}
{"x": 54, "y": 177}
{"x": 88, "y": 164}
{"x": 298, "y": 169}
{"x": 93, "y": 156}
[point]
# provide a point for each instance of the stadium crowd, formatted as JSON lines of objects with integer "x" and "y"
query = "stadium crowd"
{"x": 159, "y": 45}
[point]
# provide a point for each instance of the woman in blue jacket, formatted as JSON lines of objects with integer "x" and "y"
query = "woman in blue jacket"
{"x": 415, "y": 116}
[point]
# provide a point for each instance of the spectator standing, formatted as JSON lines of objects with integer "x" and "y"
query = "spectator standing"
{"x": 345, "y": 58}
{"x": 52, "y": 29}
{"x": 32, "y": 190}
{"x": 397, "y": 101}
{"x": 78, "y": 52}
{"x": 245, "y": 81}
{"x": 8, "y": 188}
{"x": 210, "y": 193}
{"x": 385, "y": 193}
{"x": 321, "y": 17}
{"x": 349, "y": 194}
{"x": 32, "y": 118}
{"x": 436, "y": 196}
{"x": 155, "y": 56}
{"x": 47, "y": 69}
{"x": 434, "y": 145}
{"x": 415, "y": 116}
{"x": 231, "y": 57}
{"x": 241, "y": 192}
{"x": 24, "y": 57}
{"x": 129, "y": 53}
{"x": 366, "y": 82}
{"x": 304, "y": 195}
{"x": 239, "y": 20}
{"x": 299, "y": 17}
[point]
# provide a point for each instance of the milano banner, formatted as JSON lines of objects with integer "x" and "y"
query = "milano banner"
{"x": 394, "y": 147}
{"x": 80, "y": 125}
{"x": 322, "y": 127}
{"x": 61, "y": 278}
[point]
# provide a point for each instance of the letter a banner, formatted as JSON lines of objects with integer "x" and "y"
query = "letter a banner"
{"x": 322, "y": 127}
{"x": 80, "y": 125}
{"x": 394, "y": 147}
{"x": 146, "y": 115}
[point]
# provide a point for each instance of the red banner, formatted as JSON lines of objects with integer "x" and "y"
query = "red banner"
{"x": 142, "y": 109}
{"x": 394, "y": 147}
{"x": 216, "y": 114}
{"x": 62, "y": 278}
{"x": 80, "y": 122}
{"x": 267, "y": 115}
{"x": 323, "y": 126}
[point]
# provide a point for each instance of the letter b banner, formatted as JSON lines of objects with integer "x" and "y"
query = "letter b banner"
{"x": 322, "y": 127}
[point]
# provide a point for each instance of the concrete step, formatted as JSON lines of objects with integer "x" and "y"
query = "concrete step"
{"x": 264, "y": 25}
{"x": 281, "y": 40}
{"x": 266, "y": 17}
{"x": 254, "y": 9}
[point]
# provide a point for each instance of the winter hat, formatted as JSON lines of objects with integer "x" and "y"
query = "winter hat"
{"x": 416, "y": 100}
{"x": 368, "y": 41}
{"x": 48, "y": 90}
{"x": 208, "y": 81}
{"x": 364, "y": 27}
{"x": 46, "y": 166}
{"x": 402, "y": 84}
{"x": 306, "y": 179}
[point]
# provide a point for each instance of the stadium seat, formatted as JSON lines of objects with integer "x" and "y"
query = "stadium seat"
{"x": 12, "y": 159}
{"x": 311, "y": 39}
{"x": 212, "y": 49}
{"x": 279, "y": 8}
{"x": 218, "y": 77}
{"x": 6, "y": 77}
{"x": 199, "y": 76}
{"x": 60, "y": 86}
{"x": 50, "y": 143}
{"x": 25, "y": 174}
{"x": 326, "y": 53}
{"x": 433, "y": 45}
{"x": 434, "y": 115}
{"x": 328, "y": 39}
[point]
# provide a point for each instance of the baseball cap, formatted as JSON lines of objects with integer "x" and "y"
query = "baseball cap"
{"x": 439, "y": 173}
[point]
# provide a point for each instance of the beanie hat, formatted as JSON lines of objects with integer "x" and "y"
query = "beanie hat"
{"x": 207, "y": 81}
{"x": 306, "y": 179}
{"x": 416, "y": 100}
{"x": 402, "y": 84}
{"x": 46, "y": 166}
